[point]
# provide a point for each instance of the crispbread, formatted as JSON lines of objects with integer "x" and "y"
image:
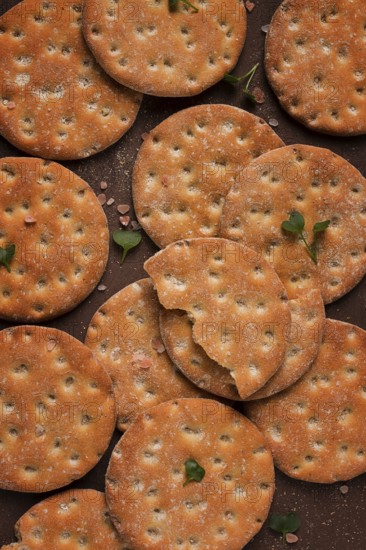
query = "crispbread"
{"x": 72, "y": 519}
{"x": 55, "y": 101}
{"x": 61, "y": 237}
{"x": 145, "y": 477}
{"x": 187, "y": 165}
{"x": 155, "y": 50}
{"x": 236, "y": 301}
{"x": 191, "y": 359}
{"x": 315, "y": 61}
{"x": 303, "y": 343}
{"x": 124, "y": 336}
{"x": 316, "y": 428}
{"x": 320, "y": 185}
{"x": 58, "y": 409}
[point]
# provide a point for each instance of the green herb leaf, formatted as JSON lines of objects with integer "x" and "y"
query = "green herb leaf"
{"x": 284, "y": 523}
{"x": 321, "y": 226}
{"x": 194, "y": 472}
{"x": 127, "y": 240}
{"x": 173, "y": 3}
{"x": 248, "y": 76}
{"x": 296, "y": 223}
{"x": 6, "y": 255}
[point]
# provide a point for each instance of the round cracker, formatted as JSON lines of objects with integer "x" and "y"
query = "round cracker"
{"x": 56, "y": 102}
{"x": 165, "y": 52}
{"x": 146, "y": 474}
{"x": 315, "y": 61}
{"x": 58, "y": 409}
{"x": 61, "y": 239}
{"x": 191, "y": 359}
{"x": 316, "y": 428}
{"x": 304, "y": 338}
{"x": 236, "y": 301}
{"x": 187, "y": 165}
{"x": 124, "y": 336}
{"x": 72, "y": 519}
{"x": 321, "y": 186}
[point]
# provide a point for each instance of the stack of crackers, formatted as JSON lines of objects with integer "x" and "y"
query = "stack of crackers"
{"x": 256, "y": 236}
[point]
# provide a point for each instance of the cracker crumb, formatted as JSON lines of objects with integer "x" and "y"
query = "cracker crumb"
{"x": 103, "y": 185}
{"x": 265, "y": 28}
{"x": 291, "y": 538}
{"x": 124, "y": 220}
{"x": 51, "y": 344}
{"x": 344, "y": 489}
{"x": 102, "y": 199}
{"x": 29, "y": 220}
{"x": 123, "y": 208}
{"x": 11, "y": 105}
{"x": 157, "y": 345}
{"x": 259, "y": 95}
{"x": 273, "y": 122}
{"x": 250, "y": 6}
{"x": 135, "y": 225}
{"x": 110, "y": 202}
{"x": 102, "y": 288}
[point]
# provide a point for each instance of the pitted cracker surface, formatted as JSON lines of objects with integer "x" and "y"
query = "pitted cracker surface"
{"x": 303, "y": 343}
{"x": 58, "y": 409}
{"x": 315, "y": 61}
{"x": 70, "y": 520}
{"x": 145, "y": 477}
{"x": 316, "y": 428}
{"x": 61, "y": 255}
{"x": 321, "y": 186}
{"x": 124, "y": 336}
{"x": 192, "y": 360}
{"x": 165, "y": 52}
{"x": 187, "y": 164}
{"x": 236, "y": 301}
{"x": 56, "y": 102}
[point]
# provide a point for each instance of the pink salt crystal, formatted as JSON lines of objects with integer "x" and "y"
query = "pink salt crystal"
{"x": 157, "y": 345}
{"x": 29, "y": 220}
{"x": 103, "y": 185}
{"x": 123, "y": 208}
{"x": 110, "y": 202}
{"x": 102, "y": 199}
{"x": 124, "y": 220}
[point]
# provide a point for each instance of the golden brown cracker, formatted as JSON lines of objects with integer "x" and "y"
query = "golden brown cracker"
{"x": 124, "y": 336}
{"x": 61, "y": 239}
{"x": 187, "y": 164}
{"x": 145, "y": 478}
{"x": 321, "y": 186}
{"x": 316, "y": 428}
{"x": 55, "y": 101}
{"x": 165, "y": 52}
{"x": 58, "y": 409}
{"x": 236, "y": 301}
{"x": 315, "y": 61}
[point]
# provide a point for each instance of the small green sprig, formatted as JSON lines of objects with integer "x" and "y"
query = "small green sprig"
{"x": 173, "y": 3}
{"x": 6, "y": 255}
{"x": 127, "y": 240}
{"x": 194, "y": 472}
{"x": 284, "y": 523}
{"x": 296, "y": 223}
{"x": 231, "y": 79}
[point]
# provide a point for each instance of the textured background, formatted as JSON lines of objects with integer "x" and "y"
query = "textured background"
{"x": 329, "y": 520}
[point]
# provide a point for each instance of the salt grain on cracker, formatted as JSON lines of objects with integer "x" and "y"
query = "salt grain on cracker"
{"x": 143, "y": 375}
{"x": 225, "y": 510}
{"x": 315, "y": 61}
{"x": 66, "y": 106}
{"x": 315, "y": 428}
{"x": 163, "y": 51}
{"x": 187, "y": 165}
{"x": 235, "y": 300}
